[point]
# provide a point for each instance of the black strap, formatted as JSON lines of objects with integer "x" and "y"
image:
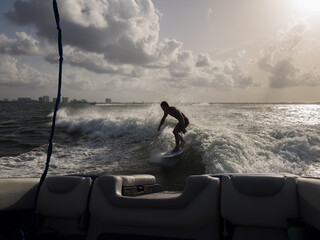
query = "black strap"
{"x": 49, "y": 152}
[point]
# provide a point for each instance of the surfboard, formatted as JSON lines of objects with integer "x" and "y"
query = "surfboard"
{"x": 171, "y": 154}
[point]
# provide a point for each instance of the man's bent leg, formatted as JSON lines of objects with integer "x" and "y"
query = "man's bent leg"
{"x": 182, "y": 141}
{"x": 177, "y": 138}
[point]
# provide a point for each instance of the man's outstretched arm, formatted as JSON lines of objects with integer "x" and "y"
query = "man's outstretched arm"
{"x": 162, "y": 121}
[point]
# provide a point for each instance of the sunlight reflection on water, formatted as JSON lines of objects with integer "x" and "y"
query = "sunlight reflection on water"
{"x": 299, "y": 114}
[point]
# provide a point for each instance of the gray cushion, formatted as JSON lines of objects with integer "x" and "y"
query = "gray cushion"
{"x": 258, "y": 185}
{"x": 263, "y": 205}
{"x": 309, "y": 200}
{"x": 17, "y": 193}
{"x": 197, "y": 206}
{"x": 64, "y": 196}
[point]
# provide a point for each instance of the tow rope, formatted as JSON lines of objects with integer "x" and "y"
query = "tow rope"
{"x": 49, "y": 152}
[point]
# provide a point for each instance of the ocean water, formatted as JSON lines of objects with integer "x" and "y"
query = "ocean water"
{"x": 123, "y": 139}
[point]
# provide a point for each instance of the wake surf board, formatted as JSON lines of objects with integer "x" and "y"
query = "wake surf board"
{"x": 171, "y": 154}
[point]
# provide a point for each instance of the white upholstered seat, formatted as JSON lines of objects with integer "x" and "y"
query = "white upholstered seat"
{"x": 259, "y": 206}
{"x": 63, "y": 202}
{"x": 194, "y": 213}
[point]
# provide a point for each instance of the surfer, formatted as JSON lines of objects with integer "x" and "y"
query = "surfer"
{"x": 180, "y": 127}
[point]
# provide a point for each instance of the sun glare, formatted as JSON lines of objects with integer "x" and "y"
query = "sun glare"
{"x": 308, "y": 6}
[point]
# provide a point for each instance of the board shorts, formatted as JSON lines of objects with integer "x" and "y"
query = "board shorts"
{"x": 179, "y": 125}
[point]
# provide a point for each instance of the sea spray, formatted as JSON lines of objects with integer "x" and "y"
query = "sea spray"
{"x": 124, "y": 139}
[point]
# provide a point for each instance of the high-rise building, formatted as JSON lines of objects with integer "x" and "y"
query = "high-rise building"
{"x": 65, "y": 99}
{"x": 108, "y": 100}
{"x": 46, "y": 99}
{"x": 23, "y": 99}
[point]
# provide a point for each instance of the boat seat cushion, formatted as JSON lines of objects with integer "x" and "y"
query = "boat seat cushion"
{"x": 136, "y": 180}
{"x": 309, "y": 200}
{"x": 17, "y": 193}
{"x": 110, "y": 206}
{"x": 64, "y": 196}
{"x": 259, "y": 200}
{"x": 195, "y": 208}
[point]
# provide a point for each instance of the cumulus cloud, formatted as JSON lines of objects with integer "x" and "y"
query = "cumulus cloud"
{"x": 224, "y": 76}
{"x": 93, "y": 62}
{"x": 138, "y": 72}
{"x": 122, "y": 38}
{"x": 24, "y": 44}
{"x": 183, "y": 65}
{"x": 123, "y": 31}
{"x": 294, "y": 33}
{"x": 168, "y": 50}
{"x": 278, "y": 59}
{"x": 76, "y": 80}
{"x": 203, "y": 60}
{"x": 283, "y": 73}
{"x": 21, "y": 76}
{"x": 240, "y": 80}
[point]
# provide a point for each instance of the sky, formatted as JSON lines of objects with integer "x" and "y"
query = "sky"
{"x": 154, "y": 50}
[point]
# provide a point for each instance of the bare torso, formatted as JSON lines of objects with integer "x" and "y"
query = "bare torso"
{"x": 176, "y": 113}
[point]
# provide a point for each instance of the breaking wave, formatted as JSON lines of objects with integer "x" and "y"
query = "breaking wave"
{"x": 123, "y": 139}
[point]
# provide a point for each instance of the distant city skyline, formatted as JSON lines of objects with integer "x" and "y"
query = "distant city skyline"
{"x": 46, "y": 99}
{"x": 154, "y": 50}
{"x": 108, "y": 101}
{"x": 40, "y": 98}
